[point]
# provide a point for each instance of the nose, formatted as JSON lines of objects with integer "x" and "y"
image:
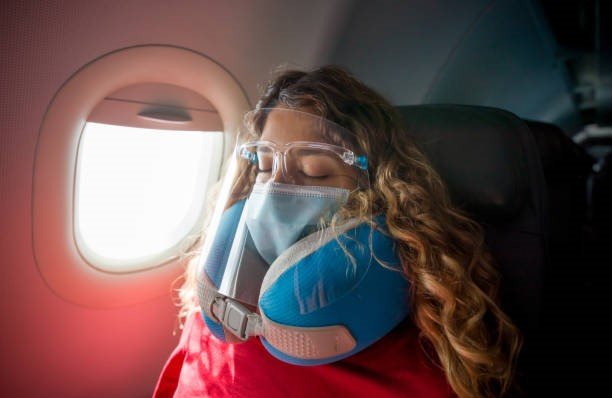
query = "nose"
{"x": 280, "y": 173}
{"x": 279, "y": 176}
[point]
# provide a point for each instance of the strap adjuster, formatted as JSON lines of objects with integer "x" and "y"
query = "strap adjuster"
{"x": 237, "y": 318}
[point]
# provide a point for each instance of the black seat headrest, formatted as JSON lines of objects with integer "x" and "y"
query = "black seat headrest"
{"x": 490, "y": 162}
{"x": 477, "y": 152}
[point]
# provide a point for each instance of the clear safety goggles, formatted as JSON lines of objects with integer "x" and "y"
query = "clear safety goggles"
{"x": 304, "y": 162}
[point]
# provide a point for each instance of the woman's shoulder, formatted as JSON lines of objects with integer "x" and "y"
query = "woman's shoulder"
{"x": 398, "y": 365}
{"x": 393, "y": 366}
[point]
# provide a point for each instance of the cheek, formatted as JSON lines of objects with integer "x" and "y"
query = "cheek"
{"x": 346, "y": 183}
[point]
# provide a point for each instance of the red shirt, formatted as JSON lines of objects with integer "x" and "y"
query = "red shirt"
{"x": 203, "y": 366}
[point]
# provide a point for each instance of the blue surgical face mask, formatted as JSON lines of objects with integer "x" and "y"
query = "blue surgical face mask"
{"x": 278, "y": 215}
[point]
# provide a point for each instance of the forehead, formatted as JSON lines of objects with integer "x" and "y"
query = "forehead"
{"x": 284, "y": 126}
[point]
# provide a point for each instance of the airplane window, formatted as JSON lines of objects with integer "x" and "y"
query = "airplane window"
{"x": 139, "y": 192}
{"x": 127, "y": 152}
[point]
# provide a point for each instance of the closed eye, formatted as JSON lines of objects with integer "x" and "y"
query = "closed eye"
{"x": 320, "y": 177}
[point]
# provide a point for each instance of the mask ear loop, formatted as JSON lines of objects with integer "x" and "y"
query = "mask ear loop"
{"x": 361, "y": 164}
{"x": 362, "y": 174}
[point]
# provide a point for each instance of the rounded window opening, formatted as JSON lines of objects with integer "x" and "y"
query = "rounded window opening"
{"x": 147, "y": 157}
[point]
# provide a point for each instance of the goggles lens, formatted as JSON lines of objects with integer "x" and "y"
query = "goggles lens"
{"x": 302, "y": 163}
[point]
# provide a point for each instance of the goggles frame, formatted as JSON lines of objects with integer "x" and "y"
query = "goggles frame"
{"x": 346, "y": 155}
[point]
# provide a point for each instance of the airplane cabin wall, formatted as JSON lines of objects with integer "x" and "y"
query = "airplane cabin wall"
{"x": 51, "y": 347}
{"x": 497, "y": 53}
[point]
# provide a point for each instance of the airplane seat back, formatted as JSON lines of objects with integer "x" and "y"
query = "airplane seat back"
{"x": 602, "y": 198}
{"x": 490, "y": 163}
{"x": 570, "y": 273}
{"x": 598, "y": 295}
{"x": 567, "y": 167}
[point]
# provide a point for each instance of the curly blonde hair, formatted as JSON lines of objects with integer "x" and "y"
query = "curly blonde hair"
{"x": 454, "y": 283}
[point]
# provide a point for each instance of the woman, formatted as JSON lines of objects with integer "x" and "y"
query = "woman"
{"x": 448, "y": 335}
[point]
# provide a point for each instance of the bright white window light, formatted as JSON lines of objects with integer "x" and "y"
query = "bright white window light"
{"x": 140, "y": 192}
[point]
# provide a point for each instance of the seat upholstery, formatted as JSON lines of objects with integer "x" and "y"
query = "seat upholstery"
{"x": 568, "y": 344}
{"x": 602, "y": 199}
{"x": 490, "y": 162}
{"x": 567, "y": 167}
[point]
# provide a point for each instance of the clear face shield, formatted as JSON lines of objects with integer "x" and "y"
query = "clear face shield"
{"x": 291, "y": 188}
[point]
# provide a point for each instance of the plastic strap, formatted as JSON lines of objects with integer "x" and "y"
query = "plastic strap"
{"x": 207, "y": 294}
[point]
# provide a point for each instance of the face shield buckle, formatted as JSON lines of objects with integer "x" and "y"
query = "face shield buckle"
{"x": 239, "y": 320}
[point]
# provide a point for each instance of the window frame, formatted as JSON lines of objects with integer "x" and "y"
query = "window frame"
{"x": 59, "y": 262}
